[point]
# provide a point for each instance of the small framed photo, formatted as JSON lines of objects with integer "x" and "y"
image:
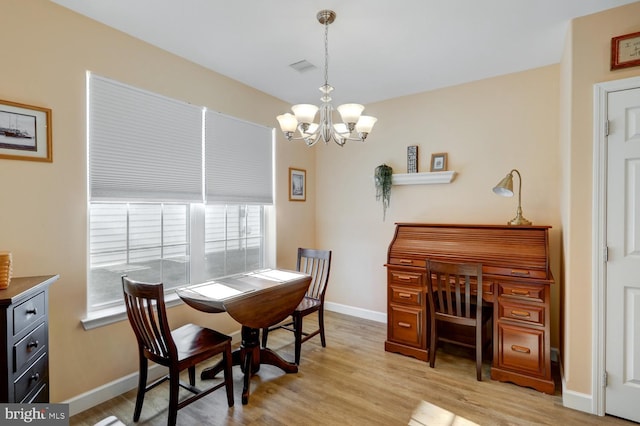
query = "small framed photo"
{"x": 439, "y": 162}
{"x": 625, "y": 51}
{"x": 412, "y": 159}
{"x": 297, "y": 184}
{"x": 25, "y": 132}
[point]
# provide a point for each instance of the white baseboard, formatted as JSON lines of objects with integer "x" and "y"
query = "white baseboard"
{"x": 356, "y": 312}
{"x": 103, "y": 393}
{"x": 576, "y": 400}
{"x": 110, "y": 390}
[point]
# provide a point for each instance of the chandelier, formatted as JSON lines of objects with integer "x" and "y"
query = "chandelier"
{"x": 354, "y": 126}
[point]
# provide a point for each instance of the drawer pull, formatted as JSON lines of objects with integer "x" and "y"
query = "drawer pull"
{"x": 520, "y": 349}
{"x": 35, "y": 377}
{"x": 32, "y": 311}
{"x": 404, "y": 277}
{"x": 406, "y": 261}
{"x": 520, "y": 272}
{"x": 522, "y": 314}
{"x": 404, "y": 295}
{"x": 404, "y": 325}
{"x": 519, "y": 292}
{"x": 33, "y": 344}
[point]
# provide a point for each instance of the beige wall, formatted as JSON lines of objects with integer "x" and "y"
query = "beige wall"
{"x": 587, "y": 61}
{"x": 45, "y": 54}
{"x": 487, "y": 128}
{"x": 538, "y": 121}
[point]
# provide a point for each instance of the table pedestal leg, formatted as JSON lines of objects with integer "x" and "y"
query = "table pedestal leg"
{"x": 249, "y": 357}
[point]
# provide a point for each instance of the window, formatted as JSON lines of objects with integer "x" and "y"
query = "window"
{"x": 172, "y": 203}
{"x": 148, "y": 242}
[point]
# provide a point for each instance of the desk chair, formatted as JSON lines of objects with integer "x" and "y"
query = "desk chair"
{"x": 451, "y": 302}
{"x": 178, "y": 349}
{"x": 316, "y": 263}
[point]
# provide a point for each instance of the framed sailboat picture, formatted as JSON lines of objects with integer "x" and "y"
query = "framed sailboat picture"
{"x": 25, "y": 132}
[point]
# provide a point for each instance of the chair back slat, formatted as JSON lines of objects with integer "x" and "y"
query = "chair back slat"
{"x": 148, "y": 318}
{"x": 316, "y": 263}
{"x": 451, "y": 287}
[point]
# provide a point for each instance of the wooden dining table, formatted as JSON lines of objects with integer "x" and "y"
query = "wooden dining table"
{"x": 256, "y": 300}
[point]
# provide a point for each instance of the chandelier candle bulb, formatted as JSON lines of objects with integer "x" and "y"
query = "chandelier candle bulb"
{"x": 304, "y": 114}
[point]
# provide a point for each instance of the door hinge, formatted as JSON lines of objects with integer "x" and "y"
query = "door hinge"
{"x": 605, "y": 376}
{"x": 606, "y": 127}
{"x": 606, "y": 255}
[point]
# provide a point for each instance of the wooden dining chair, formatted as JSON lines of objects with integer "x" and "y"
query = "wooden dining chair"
{"x": 453, "y": 306}
{"x": 316, "y": 263}
{"x": 177, "y": 349}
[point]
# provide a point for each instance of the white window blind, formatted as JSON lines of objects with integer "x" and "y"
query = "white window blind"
{"x": 238, "y": 161}
{"x": 142, "y": 146}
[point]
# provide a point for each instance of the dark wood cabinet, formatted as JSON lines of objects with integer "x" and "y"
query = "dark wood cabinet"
{"x": 24, "y": 345}
{"x": 516, "y": 278}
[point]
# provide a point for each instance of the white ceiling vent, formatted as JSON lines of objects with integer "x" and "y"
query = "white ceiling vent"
{"x": 303, "y": 66}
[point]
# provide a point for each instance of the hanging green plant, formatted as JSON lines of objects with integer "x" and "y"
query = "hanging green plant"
{"x": 383, "y": 175}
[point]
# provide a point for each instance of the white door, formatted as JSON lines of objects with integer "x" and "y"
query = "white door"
{"x": 622, "y": 354}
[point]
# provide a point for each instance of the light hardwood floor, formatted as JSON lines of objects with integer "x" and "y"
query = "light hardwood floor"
{"x": 353, "y": 381}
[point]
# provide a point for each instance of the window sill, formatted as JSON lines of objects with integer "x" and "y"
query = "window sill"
{"x": 102, "y": 317}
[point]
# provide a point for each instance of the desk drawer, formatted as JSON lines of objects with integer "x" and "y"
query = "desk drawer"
{"x": 28, "y": 312}
{"x": 405, "y": 278}
{"x": 521, "y": 349}
{"x": 34, "y": 377}
{"x": 522, "y": 291}
{"x": 533, "y": 314}
{"x": 31, "y": 345}
{"x": 406, "y": 325}
{"x": 420, "y": 263}
{"x": 406, "y": 295}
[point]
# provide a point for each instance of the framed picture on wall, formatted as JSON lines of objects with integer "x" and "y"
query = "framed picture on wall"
{"x": 625, "y": 51}
{"x": 412, "y": 159}
{"x": 25, "y": 132}
{"x": 439, "y": 162}
{"x": 297, "y": 184}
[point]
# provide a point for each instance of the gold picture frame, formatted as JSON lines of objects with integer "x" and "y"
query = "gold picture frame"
{"x": 439, "y": 162}
{"x": 25, "y": 132}
{"x": 297, "y": 184}
{"x": 625, "y": 51}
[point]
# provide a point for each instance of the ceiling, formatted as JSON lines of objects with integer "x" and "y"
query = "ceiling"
{"x": 378, "y": 49}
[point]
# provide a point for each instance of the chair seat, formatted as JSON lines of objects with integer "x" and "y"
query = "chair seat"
{"x": 308, "y": 304}
{"x": 192, "y": 340}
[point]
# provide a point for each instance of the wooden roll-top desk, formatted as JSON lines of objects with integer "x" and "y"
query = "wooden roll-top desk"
{"x": 516, "y": 278}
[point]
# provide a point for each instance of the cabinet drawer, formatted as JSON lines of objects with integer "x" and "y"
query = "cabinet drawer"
{"x": 521, "y": 349}
{"x": 406, "y": 295}
{"x": 39, "y": 396}
{"x": 34, "y": 377}
{"x": 523, "y": 291}
{"x": 30, "y": 346}
{"x": 28, "y": 312}
{"x": 405, "y": 278}
{"x": 519, "y": 311}
{"x": 405, "y": 325}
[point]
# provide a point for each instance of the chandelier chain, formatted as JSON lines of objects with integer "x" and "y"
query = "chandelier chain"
{"x": 326, "y": 52}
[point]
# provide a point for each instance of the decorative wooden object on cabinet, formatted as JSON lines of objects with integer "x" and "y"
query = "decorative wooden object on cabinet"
{"x": 25, "y": 342}
{"x": 516, "y": 277}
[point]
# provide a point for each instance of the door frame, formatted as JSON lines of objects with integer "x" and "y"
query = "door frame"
{"x": 599, "y": 246}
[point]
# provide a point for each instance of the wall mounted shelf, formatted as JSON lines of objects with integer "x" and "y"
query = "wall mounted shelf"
{"x": 422, "y": 178}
